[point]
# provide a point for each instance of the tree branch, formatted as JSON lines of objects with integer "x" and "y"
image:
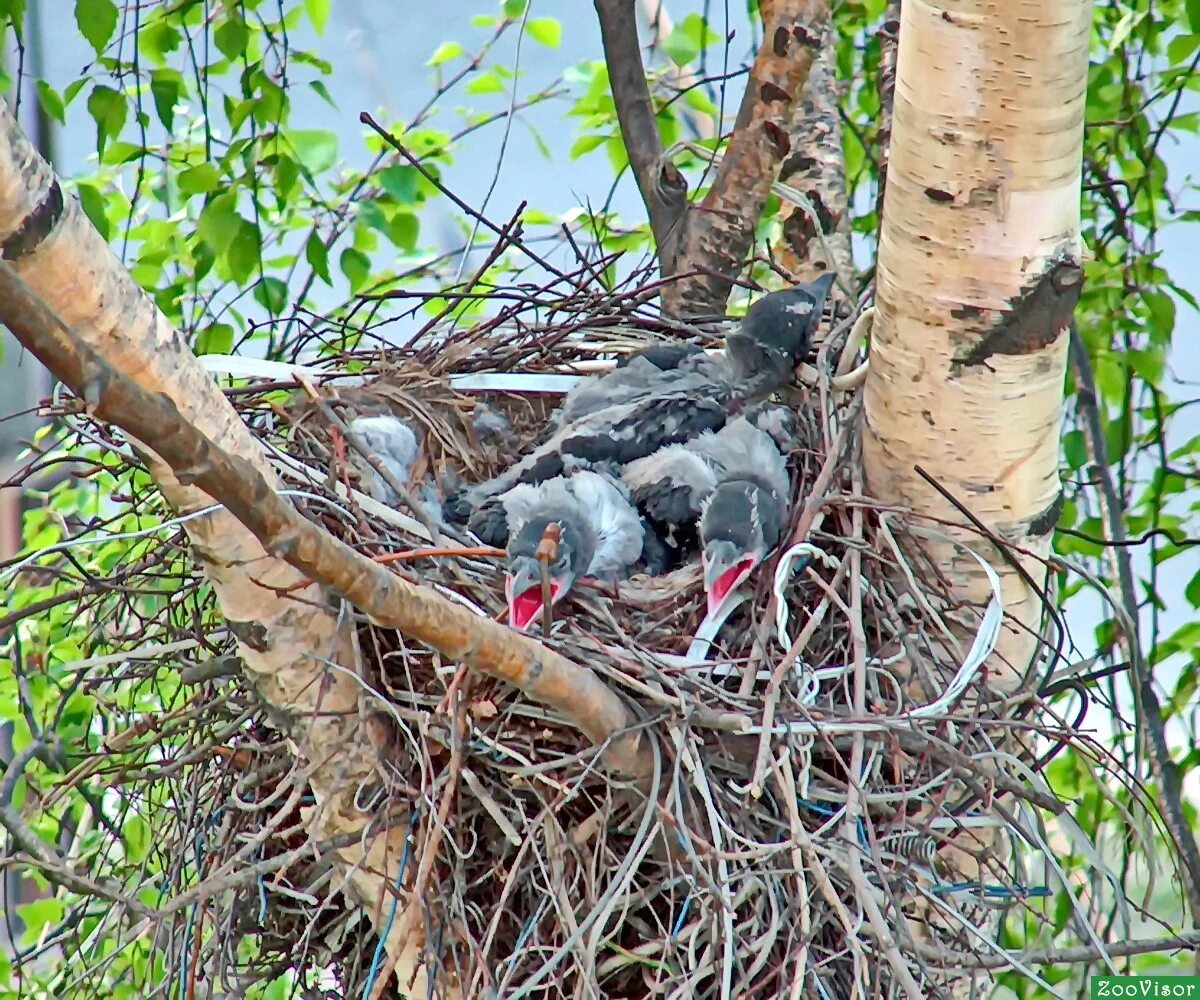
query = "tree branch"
{"x": 816, "y": 238}
{"x": 285, "y": 636}
{"x": 485, "y": 646}
{"x": 1149, "y": 710}
{"x": 718, "y": 233}
{"x": 663, "y": 188}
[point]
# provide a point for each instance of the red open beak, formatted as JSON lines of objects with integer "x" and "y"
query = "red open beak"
{"x": 526, "y": 607}
{"x": 729, "y": 581}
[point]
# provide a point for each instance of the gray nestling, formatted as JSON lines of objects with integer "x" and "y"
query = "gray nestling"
{"x": 601, "y": 536}
{"x": 730, "y": 488}
{"x": 634, "y": 411}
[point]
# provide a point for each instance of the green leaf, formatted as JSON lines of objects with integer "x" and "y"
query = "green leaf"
{"x": 215, "y": 339}
{"x": 545, "y": 30}
{"x": 231, "y": 37}
{"x": 108, "y": 109}
{"x": 690, "y": 37}
{"x": 513, "y": 8}
{"x": 317, "y": 256}
{"x": 51, "y": 102}
{"x": 201, "y": 179}
{"x": 1193, "y": 15}
{"x": 41, "y": 914}
{"x": 244, "y": 255}
{"x": 1192, "y": 591}
{"x": 93, "y": 204}
{"x": 158, "y": 39}
{"x": 487, "y": 82}
{"x": 323, "y": 92}
{"x": 586, "y": 143}
{"x": 219, "y": 222}
{"x": 1181, "y": 48}
{"x": 445, "y": 52}
{"x": 97, "y": 20}
{"x": 318, "y": 13}
{"x": 166, "y": 85}
{"x": 403, "y": 230}
{"x": 356, "y": 266}
{"x": 315, "y": 149}
{"x": 400, "y": 182}
{"x": 272, "y": 295}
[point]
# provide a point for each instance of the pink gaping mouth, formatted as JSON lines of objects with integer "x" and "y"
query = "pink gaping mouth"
{"x": 729, "y": 581}
{"x": 524, "y": 608}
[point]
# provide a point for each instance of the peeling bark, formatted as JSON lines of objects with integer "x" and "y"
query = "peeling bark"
{"x": 717, "y": 233}
{"x": 817, "y": 169}
{"x": 969, "y": 341}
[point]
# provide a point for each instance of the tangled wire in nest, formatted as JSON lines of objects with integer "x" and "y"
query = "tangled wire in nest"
{"x": 822, "y": 805}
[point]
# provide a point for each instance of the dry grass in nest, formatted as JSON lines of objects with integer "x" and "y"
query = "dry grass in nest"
{"x": 755, "y": 859}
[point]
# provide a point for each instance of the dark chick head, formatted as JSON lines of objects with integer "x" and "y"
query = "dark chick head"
{"x": 740, "y": 524}
{"x": 777, "y": 332}
{"x": 523, "y": 582}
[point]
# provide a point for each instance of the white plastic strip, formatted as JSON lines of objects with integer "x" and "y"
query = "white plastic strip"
{"x": 783, "y": 575}
{"x": 983, "y": 646}
{"x": 701, "y": 643}
{"x": 515, "y": 382}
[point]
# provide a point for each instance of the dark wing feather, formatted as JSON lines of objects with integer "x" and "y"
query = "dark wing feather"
{"x": 650, "y": 425}
{"x": 489, "y": 523}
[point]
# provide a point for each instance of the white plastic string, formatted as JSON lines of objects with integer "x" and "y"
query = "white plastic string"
{"x": 983, "y": 646}
{"x": 701, "y": 643}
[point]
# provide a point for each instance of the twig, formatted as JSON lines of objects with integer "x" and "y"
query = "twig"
{"x": 1146, "y": 703}
{"x": 547, "y": 552}
{"x": 424, "y": 171}
{"x": 585, "y": 701}
{"x": 41, "y": 855}
{"x": 1061, "y": 956}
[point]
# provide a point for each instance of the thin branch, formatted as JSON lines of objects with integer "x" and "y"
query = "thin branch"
{"x": 39, "y": 853}
{"x": 663, "y": 188}
{"x": 479, "y": 643}
{"x": 1061, "y": 956}
{"x": 1148, "y": 708}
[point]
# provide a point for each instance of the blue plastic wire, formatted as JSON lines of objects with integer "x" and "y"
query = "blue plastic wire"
{"x": 387, "y": 927}
{"x": 993, "y": 890}
{"x": 683, "y": 912}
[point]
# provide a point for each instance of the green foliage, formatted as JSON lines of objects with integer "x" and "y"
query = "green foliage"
{"x": 242, "y": 221}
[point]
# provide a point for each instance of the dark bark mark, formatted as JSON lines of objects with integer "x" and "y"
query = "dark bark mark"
{"x": 938, "y": 195}
{"x": 36, "y": 226}
{"x": 1035, "y": 319}
{"x": 1044, "y": 523}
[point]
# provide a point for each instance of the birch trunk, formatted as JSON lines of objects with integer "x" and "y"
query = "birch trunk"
{"x": 977, "y": 276}
{"x": 283, "y": 640}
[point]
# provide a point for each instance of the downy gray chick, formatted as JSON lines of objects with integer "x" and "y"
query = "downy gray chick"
{"x": 601, "y": 536}
{"x": 639, "y": 415}
{"x": 730, "y": 488}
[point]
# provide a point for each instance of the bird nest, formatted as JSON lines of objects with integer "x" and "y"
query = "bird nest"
{"x": 816, "y": 806}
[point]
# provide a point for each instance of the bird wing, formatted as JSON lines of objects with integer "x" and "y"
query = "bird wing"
{"x": 687, "y": 402}
{"x": 745, "y": 452}
{"x": 671, "y": 484}
{"x": 615, "y": 520}
{"x": 394, "y": 443}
